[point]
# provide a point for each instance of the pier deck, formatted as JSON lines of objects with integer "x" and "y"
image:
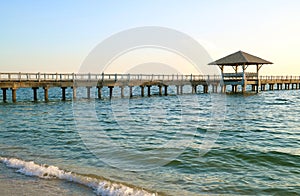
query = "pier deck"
{"x": 210, "y": 83}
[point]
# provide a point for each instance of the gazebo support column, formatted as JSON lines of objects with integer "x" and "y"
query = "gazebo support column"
{"x": 244, "y": 87}
{"x": 234, "y": 88}
{"x": 223, "y": 88}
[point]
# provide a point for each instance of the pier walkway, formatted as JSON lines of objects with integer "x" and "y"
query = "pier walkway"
{"x": 210, "y": 83}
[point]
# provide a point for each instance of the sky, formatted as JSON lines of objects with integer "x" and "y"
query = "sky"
{"x": 57, "y": 36}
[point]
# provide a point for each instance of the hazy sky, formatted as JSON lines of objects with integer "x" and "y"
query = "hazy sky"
{"x": 56, "y": 36}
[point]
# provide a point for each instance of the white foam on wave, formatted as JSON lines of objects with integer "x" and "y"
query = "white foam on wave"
{"x": 100, "y": 187}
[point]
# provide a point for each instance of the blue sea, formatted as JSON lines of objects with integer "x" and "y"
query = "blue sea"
{"x": 190, "y": 144}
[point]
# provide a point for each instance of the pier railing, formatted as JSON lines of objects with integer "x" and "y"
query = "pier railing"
{"x": 280, "y": 78}
{"x": 93, "y": 77}
{"x": 149, "y": 77}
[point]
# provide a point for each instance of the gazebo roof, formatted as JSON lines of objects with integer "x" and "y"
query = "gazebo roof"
{"x": 240, "y": 58}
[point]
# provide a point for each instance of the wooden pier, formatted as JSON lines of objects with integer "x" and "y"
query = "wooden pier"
{"x": 15, "y": 81}
{"x": 210, "y": 84}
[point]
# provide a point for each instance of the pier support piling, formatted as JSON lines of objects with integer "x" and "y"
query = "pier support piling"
{"x": 279, "y": 86}
{"x": 287, "y": 86}
{"x": 88, "y": 92}
{"x": 130, "y": 91}
{"x": 142, "y": 91}
{"x": 215, "y": 88}
{"x": 99, "y": 89}
{"x": 4, "y": 94}
{"x": 74, "y": 92}
{"x": 122, "y": 91}
{"x": 160, "y": 90}
{"x": 166, "y": 90}
{"x": 63, "y": 89}
{"x": 46, "y": 98}
{"x": 177, "y": 89}
{"x": 149, "y": 90}
{"x": 205, "y": 88}
{"x": 14, "y": 94}
{"x": 35, "y": 98}
{"x": 194, "y": 89}
{"x": 110, "y": 91}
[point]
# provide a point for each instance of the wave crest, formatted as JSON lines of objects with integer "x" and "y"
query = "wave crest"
{"x": 100, "y": 187}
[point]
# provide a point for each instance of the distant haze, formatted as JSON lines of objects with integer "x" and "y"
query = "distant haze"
{"x": 153, "y": 68}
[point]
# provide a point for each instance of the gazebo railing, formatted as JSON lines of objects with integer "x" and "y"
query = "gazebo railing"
{"x": 240, "y": 75}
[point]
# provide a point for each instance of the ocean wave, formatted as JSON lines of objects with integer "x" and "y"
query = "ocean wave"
{"x": 100, "y": 187}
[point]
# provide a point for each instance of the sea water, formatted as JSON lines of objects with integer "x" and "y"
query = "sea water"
{"x": 161, "y": 145}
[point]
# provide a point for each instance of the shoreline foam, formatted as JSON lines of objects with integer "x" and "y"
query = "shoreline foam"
{"x": 100, "y": 187}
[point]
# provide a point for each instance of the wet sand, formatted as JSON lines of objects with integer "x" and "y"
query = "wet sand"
{"x": 12, "y": 183}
